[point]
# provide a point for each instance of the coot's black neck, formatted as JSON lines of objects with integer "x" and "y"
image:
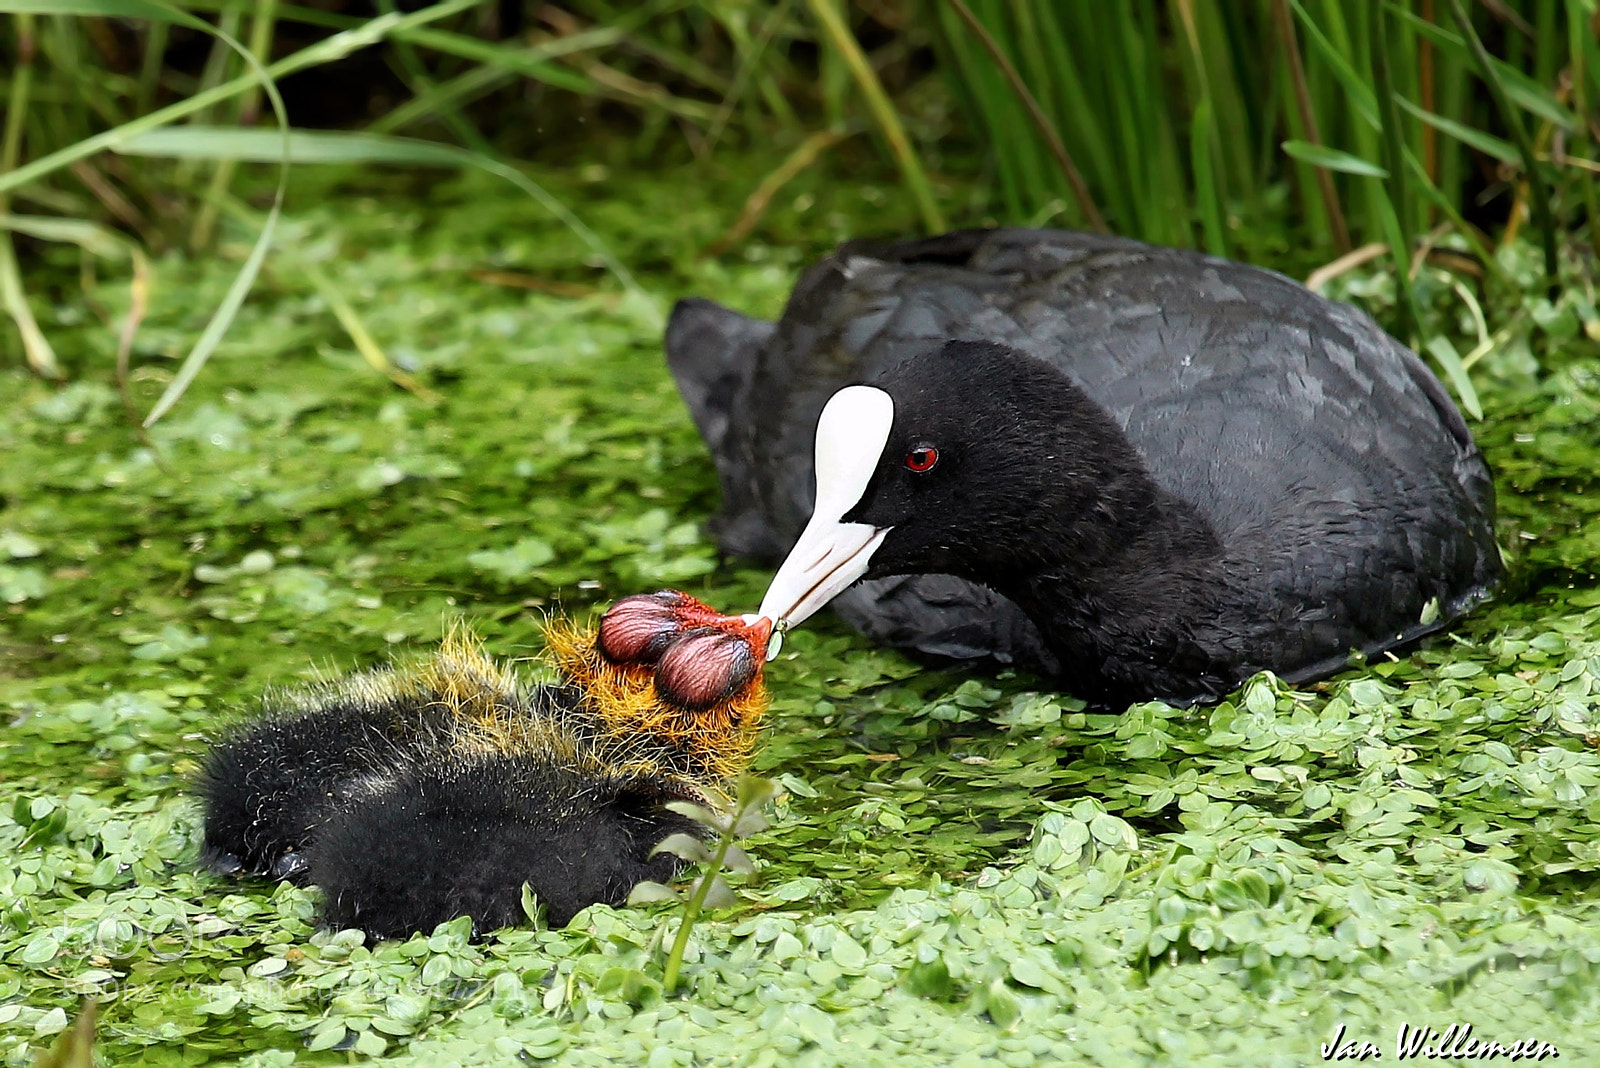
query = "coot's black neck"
{"x": 1047, "y": 501}
{"x": 1119, "y": 615}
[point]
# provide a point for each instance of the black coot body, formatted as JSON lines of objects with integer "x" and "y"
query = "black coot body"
{"x": 1163, "y": 471}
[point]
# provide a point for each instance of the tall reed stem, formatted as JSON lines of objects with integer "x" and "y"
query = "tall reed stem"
{"x": 40, "y": 356}
{"x": 883, "y": 113}
{"x": 1041, "y": 121}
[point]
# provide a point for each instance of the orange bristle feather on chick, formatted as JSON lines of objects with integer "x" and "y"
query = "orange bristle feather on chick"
{"x": 669, "y": 667}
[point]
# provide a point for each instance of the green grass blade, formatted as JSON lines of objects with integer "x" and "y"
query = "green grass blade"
{"x": 1410, "y": 318}
{"x": 420, "y": 83}
{"x": 324, "y": 51}
{"x": 1440, "y": 348}
{"x": 1488, "y": 144}
{"x": 155, "y": 51}
{"x": 443, "y": 96}
{"x": 35, "y": 346}
{"x": 125, "y": 9}
{"x": 223, "y": 317}
{"x": 245, "y": 279}
{"x": 221, "y": 179}
{"x": 1360, "y": 94}
{"x": 531, "y": 62}
{"x": 1538, "y": 192}
{"x": 99, "y": 240}
{"x": 1205, "y": 179}
{"x": 847, "y": 48}
{"x": 1449, "y": 210}
{"x": 1397, "y": 220}
{"x": 304, "y": 146}
{"x": 1528, "y": 93}
{"x": 1299, "y": 88}
{"x": 1036, "y": 115}
{"x": 1582, "y": 53}
{"x": 318, "y": 146}
{"x": 1333, "y": 159}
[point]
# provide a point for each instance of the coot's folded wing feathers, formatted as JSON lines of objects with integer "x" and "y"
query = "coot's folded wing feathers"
{"x": 1219, "y": 373}
{"x": 948, "y": 617}
{"x": 713, "y": 354}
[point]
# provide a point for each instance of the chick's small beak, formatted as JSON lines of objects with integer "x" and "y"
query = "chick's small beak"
{"x": 759, "y": 628}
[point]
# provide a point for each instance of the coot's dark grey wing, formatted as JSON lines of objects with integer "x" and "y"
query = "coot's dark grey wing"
{"x": 947, "y": 617}
{"x": 1319, "y": 448}
{"x": 713, "y": 353}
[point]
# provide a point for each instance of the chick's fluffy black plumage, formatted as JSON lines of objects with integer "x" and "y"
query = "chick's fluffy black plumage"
{"x": 415, "y": 796}
{"x": 460, "y": 839}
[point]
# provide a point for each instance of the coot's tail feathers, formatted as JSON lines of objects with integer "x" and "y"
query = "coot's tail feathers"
{"x": 712, "y": 354}
{"x": 946, "y": 617}
{"x": 464, "y": 836}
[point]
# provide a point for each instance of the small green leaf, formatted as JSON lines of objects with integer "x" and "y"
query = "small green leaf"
{"x": 532, "y": 907}
{"x": 848, "y": 954}
{"x": 1440, "y": 348}
{"x": 517, "y": 562}
{"x": 718, "y": 895}
{"x": 716, "y": 821}
{"x": 1002, "y": 1005}
{"x": 754, "y": 791}
{"x": 797, "y": 889}
{"x": 630, "y": 985}
{"x": 737, "y": 860}
{"x": 931, "y": 979}
{"x": 684, "y": 846}
{"x": 648, "y": 893}
{"x": 327, "y": 1037}
{"x": 750, "y": 821}
{"x": 1332, "y": 159}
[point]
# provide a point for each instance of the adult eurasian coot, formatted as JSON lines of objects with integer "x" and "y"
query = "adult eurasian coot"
{"x": 1145, "y": 471}
{"x": 415, "y": 795}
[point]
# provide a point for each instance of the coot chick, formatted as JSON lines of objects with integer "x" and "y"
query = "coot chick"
{"x": 417, "y": 794}
{"x": 1147, "y": 472}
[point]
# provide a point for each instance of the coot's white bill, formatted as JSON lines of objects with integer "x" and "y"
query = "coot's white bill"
{"x": 832, "y": 554}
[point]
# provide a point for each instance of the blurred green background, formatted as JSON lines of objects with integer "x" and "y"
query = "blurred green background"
{"x": 1288, "y": 132}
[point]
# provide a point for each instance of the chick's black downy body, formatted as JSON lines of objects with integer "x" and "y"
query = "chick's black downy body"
{"x": 1158, "y": 472}
{"x": 417, "y": 794}
{"x": 372, "y": 792}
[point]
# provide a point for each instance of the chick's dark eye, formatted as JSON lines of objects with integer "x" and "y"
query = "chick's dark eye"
{"x": 920, "y": 458}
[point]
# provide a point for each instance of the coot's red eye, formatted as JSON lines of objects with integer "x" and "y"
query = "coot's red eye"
{"x": 921, "y": 458}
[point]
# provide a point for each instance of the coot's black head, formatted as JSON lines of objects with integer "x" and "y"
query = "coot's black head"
{"x": 974, "y": 460}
